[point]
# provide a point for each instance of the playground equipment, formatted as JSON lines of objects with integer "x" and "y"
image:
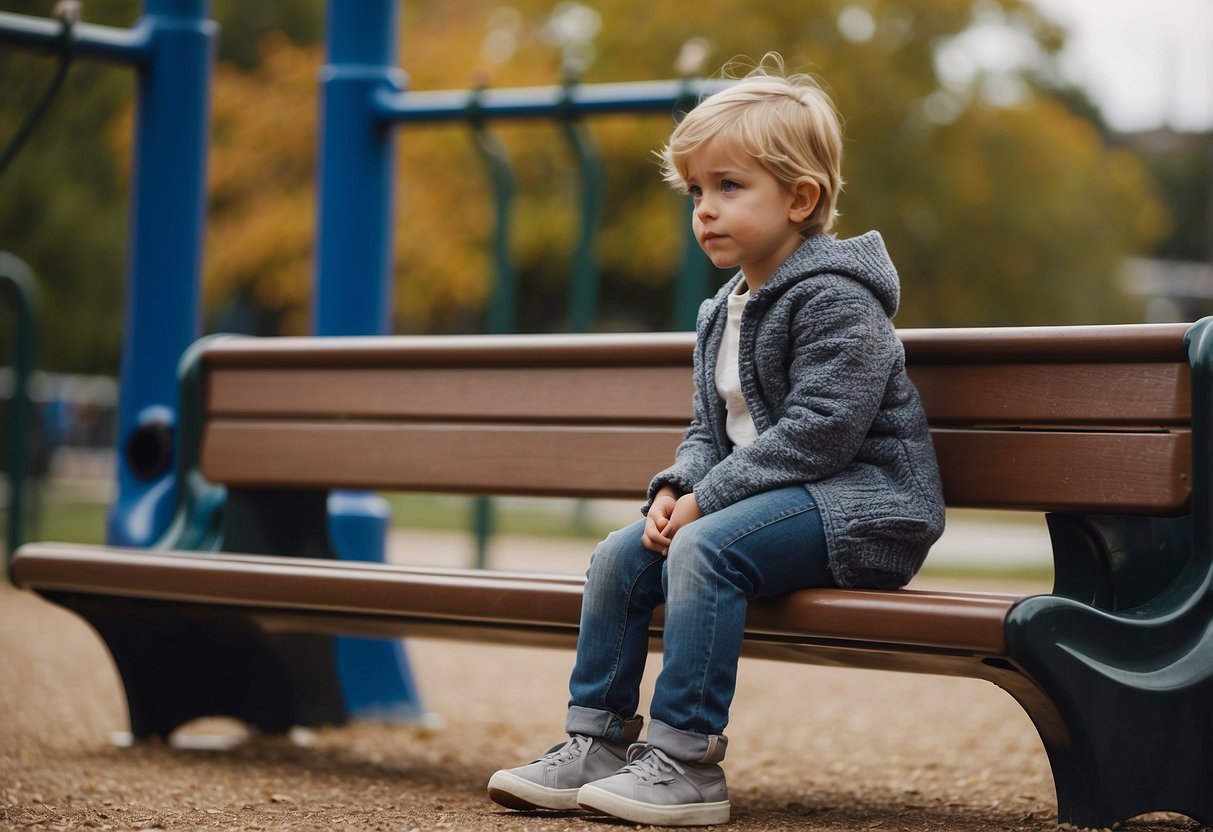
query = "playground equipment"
{"x": 363, "y": 99}
{"x": 172, "y": 47}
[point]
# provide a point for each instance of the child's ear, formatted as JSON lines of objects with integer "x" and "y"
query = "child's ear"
{"x": 805, "y": 194}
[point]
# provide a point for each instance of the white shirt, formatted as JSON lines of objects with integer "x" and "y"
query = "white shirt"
{"x": 739, "y": 425}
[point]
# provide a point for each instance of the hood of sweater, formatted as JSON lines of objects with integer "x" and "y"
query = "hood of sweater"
{"x": 863, "y": 259}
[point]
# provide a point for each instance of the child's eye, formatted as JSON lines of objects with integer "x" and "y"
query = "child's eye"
{"x": 729, "y": 185}
{"x": 695, "y": 191}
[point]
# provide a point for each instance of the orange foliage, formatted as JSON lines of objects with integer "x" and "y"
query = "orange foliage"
{"x": 1011, "y": 214}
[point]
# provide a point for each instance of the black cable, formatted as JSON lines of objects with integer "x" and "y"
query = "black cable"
{"x": 67, "y": 13}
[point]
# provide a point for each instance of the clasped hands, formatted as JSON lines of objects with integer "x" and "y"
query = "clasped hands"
{"x": 668, "y": 513}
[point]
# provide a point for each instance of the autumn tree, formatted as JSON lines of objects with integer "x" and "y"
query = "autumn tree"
{"x": 63, "y": 198}
{"x": 62, "y": 201}
{"x": 999, "y": 205}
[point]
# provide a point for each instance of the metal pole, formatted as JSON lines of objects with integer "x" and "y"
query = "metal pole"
{"x": 357, "y": 166}
{"x": 353, "y": 296}
{"x": 104, "y": 43}
{"x": 543, "y": 102}
{"x": 583, "y": 294}
{"x": 502, "y": 309}
{"x": 501, "y": 315}
{"x": 17, "y": 281}
{"x": 691, "y": 283}
{"x": 164, "y": 264}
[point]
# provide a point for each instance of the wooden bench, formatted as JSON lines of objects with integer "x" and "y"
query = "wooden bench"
{"x": 1105, "y": 428}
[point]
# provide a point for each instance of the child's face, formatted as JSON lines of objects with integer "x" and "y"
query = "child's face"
{"x": 744, "y": 217}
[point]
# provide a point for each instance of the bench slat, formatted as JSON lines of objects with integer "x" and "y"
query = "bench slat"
{"x": 1046, "y": 344}
{"x": 527, "y": 460}
{"x": 1031, "y": 394}
{"x": 1147, "y": 473}
{"x": 1130, "y": 394}
{"x": 1042, "y": 470}
{"x": 449, "y": 351}
{"x": 954, "y": 345}
{"x": 579, "y": 394}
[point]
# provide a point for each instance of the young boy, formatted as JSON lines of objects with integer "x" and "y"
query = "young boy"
{"x": 807, "y": 463}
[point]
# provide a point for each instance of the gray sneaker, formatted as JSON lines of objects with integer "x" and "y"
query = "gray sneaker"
{"x": 552, "y": 781}
{"x": 659, "y": 790}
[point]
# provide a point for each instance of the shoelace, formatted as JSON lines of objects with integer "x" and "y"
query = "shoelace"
{"x": 566, "y": 751}
{"x": 652, "y": 765}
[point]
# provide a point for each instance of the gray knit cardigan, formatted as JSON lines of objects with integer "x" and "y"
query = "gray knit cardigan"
{"x": 823, "y": 374}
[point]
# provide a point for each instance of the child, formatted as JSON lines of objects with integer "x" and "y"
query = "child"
{"x": 807, "y": 463}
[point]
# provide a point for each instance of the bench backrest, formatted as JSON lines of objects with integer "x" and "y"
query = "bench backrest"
{"x": 1088, "y": 419}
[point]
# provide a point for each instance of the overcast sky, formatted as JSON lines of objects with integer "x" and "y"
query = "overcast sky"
{"x": 1147, "y": 63}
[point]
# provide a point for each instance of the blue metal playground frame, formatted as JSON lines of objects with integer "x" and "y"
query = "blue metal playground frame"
{"x": 363, "y": 99}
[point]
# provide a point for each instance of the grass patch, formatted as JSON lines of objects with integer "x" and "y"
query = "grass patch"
{"x": 71, "y": 520}
{"x": 1028, "y": 572}
{"x": 64, "y": 516}
{"x": 543, "y": 519}
{"x": 56, "y": 517}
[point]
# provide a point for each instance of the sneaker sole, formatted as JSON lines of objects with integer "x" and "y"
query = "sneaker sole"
{"x": 514, "y": 792}
{"x": 687, "y": 814}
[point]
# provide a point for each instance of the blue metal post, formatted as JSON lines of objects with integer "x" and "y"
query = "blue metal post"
{"x": 543, "y": 102}
{"x": 353, "y": 290}
{"x": 353, "y": 295}
{"x": 164, "y": 262}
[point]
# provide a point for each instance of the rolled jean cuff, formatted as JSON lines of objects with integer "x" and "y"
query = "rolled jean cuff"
{"x": 688, "y": 746}
{"x": 593, "y": 722}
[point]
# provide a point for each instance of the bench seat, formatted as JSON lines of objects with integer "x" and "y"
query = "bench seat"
{"x": 374, "y": 599}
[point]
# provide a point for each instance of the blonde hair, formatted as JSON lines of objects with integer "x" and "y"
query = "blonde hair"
{"x": 786, "y": 122}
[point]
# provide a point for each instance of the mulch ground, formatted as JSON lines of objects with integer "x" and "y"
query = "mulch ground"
{"x": 811, "y": 748}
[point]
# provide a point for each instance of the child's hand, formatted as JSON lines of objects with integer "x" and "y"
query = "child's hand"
{"x": 686, "y": 511}
{"x": 654, "y": 538}
{"x": 667, "y": 514}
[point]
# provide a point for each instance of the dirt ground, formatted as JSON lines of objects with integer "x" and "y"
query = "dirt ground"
{"x": 810, "y": 749}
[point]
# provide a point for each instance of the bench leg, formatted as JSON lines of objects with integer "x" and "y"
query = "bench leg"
{"x": 1136, "y": 698}
{"x": 375, "y": 677}
{"x": 178, "y": 665}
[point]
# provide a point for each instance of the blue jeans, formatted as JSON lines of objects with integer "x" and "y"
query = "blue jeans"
{"x": 765, "y": 545}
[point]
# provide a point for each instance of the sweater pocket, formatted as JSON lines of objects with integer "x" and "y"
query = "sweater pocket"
{"x": 883, "y": 551}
